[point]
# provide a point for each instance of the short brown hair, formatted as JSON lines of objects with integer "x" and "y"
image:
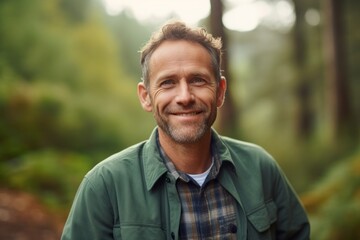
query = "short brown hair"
{"x": 176, "y": 30}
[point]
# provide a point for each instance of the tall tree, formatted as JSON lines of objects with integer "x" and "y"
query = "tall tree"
{"x": 304, "y": 117}
{"x": 339, "y": 110}
{"x": 228, "y": 120}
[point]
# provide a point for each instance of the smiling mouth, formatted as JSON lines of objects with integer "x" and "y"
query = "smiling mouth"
{"x": 187, "y": 114}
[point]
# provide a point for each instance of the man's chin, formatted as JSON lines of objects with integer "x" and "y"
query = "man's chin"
{"x": 187, "y": 134}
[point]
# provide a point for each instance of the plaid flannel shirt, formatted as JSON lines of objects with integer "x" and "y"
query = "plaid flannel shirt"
{"x": 208, "y": 212}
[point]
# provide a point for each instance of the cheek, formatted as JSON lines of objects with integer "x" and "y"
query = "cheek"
{"x": 209, "y": 96}
{"x": 160, "y": 99}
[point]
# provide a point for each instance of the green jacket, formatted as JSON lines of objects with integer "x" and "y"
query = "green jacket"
{"x": 131, "y": 195}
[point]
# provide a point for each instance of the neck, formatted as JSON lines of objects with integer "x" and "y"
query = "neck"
{"x": 192, "y": 158}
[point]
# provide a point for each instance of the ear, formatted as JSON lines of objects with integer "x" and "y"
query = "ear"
{"x": 221, "y": 91}
{"x": 144, "y": 97}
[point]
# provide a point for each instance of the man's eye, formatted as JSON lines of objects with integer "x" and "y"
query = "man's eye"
{"x": 167, "y": 83}
{"x": 198, "y": 81}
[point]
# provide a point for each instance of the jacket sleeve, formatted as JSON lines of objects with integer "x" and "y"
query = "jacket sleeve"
{"x": 292, "y": 221}
{"x": 91, "y": 215}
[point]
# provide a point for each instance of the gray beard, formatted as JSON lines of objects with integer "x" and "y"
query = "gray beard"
{"x": 181, "y": 137}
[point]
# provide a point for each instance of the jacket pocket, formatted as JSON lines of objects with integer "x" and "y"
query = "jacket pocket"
{"x": 135, "y": 231}
{"x": 261, "y": 219}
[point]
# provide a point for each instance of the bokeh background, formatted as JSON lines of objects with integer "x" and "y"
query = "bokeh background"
{"x": 68, "y": 75}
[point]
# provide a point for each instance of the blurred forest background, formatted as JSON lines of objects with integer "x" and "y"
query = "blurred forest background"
{"x": 68, "y": 75}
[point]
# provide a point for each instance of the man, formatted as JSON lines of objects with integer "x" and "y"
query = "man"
{"x": 186, "y": 181}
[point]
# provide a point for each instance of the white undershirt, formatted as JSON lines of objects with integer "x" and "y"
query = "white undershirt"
{"x": 200, "y": 178}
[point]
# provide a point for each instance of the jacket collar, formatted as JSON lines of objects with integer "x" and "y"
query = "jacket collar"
{"x": 219, "y": 148}
{"x": 154, "y": 166}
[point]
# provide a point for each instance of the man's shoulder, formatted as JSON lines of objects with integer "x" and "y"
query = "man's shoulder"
{"x": 123, "y": 160}
{"x": 243, "y": 146}
{"x": 247, "y": 153}
{"x": 251, "y": 161}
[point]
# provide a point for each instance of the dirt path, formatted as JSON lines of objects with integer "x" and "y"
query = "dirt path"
{"x": 22, "y": 217}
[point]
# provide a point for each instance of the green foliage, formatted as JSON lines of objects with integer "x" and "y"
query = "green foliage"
{"x": 334, "y": 203}
{"x": 75, "y": 11}
{"x": 65, "y": 100}
{"x": 52, "y": 175}
{"x": 129, "y": 41}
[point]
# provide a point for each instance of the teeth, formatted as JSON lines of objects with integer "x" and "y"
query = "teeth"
{"x": 187, "y": 114}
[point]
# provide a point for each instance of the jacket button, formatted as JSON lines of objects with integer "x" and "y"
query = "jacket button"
{"x": 172, "y": 235}
{"x": 167, "y": 180}
{"x": 232, "y": 228}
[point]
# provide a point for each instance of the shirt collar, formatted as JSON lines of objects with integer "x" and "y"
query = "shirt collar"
{"x": 156, "y": 165}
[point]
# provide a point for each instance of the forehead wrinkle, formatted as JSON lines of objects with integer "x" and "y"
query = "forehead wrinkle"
{"x": 178, "y": 66}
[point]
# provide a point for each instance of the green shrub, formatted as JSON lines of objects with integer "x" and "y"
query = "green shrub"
{"x": 53, "y": 176}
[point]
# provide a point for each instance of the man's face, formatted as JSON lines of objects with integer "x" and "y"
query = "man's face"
{"x": 183, "y": 93}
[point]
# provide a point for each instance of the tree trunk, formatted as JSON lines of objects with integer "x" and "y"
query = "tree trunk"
{"x": 304, "y": 115}
{"x": 338, "y": 108}
{"x": 228, "y": 119}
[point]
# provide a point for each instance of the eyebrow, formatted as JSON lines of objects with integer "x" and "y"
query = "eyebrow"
{"x": 165, "y": 76}
{"x": 200, "y": 74}
{"x": 173, "y": 75}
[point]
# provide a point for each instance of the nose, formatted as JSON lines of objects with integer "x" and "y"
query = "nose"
{"x": 184, "y": 96}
